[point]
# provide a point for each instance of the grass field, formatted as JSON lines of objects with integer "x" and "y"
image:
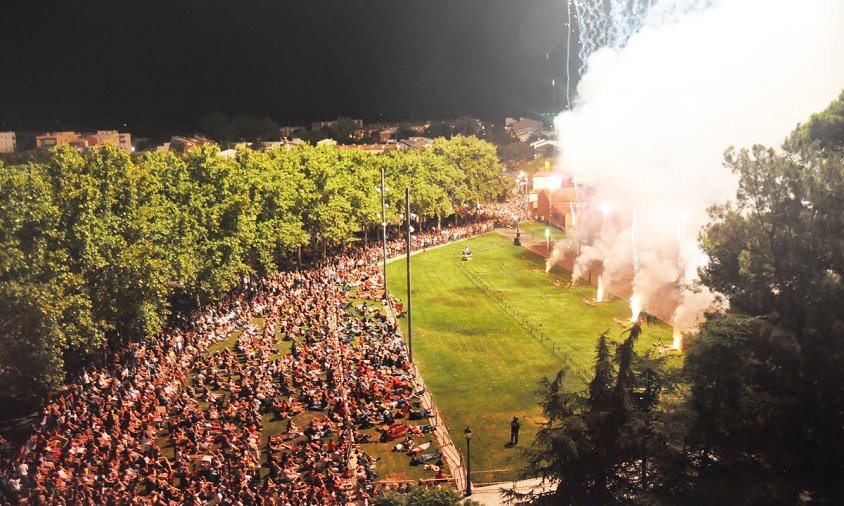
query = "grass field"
{"x": 537, "y": 231}
{"x": 473, "y": 346}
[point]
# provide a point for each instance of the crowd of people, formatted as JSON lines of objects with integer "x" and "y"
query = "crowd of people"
{"x": 180, "y": 418}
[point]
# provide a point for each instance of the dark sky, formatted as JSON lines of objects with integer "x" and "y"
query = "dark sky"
{"x": 105, "y": 63}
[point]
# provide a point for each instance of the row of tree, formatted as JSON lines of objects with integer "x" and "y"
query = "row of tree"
{"x": 228, "y": 130}
{"x": 755, "y": 415}
{"x": 94, "y": 247}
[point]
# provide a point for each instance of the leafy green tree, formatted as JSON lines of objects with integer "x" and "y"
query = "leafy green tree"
{"x": 42, "y": 313}
{"x": 777, "y": 253}
{"x": 214, "y": 217}
{"x": 275, "y": 190}
{"x": 117, "y": 234}
{"x": 827, "y": 127}
{"x": 477, "y": 163}
{"x": 94, "y": 246}
{"x": 422, "y": 496}
{"x": 329, "y": 216}
{"x": 608, "y": 444}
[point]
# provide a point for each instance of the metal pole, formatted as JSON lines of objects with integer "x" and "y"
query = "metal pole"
{"x": 384, "y": 233}
{"x": 468, "y": 469}
{"x": 409, "y": 300}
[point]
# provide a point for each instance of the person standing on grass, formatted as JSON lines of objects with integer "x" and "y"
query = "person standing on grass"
{"x": 514, "y": 431}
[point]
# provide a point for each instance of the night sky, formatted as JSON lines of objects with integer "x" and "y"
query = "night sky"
{"x": 87, "y": 64}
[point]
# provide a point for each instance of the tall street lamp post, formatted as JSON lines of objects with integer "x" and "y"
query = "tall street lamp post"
{"x": 384, "y": 233}
{"x": 468, "y": 433}
{"x": 409, "y": 299}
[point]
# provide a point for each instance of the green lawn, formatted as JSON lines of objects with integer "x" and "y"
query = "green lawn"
{"x": 474, "y": 349}
{"x": 537, "y": 231}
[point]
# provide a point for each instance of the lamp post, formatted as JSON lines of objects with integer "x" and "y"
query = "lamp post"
{"x": 384, "y": 233}
{"x": 409, "y": 299}
{"x": 468, "y": 433}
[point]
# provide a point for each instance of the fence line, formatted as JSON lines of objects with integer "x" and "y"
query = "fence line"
{"x": 449, "y": 453}
{"x": 523, "y": 320}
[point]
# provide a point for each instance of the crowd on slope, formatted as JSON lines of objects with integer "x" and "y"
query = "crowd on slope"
{"x": 103, "y": 439}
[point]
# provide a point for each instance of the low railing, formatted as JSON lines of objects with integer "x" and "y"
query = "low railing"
{"x": 449, "y": 453}
{"x": 532, "y": 328}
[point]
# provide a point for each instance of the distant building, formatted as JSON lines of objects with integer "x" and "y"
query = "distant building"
{"x": 555, "y": 206}
{"x": 293, "y": 143}
{"x": 524, "y": 128}
{"x": 290, "y": 131}
{"x": 103, "y": 137}
{"x": 125, "y": 142}
{"x": 387, "y": 134}
{"x": 51, "y": 140}
{"x": 185, "y": 143}
{"x": 333, "y": 123}
{"x": 420, "y": 143}
{"x": 547, "y": 180}
{"x": 544, "y": 148}
{"x": 268, "y": 145}
{"x": 8, "y": 143}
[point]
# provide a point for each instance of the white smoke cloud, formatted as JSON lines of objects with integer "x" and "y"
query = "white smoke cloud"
{"x": 651, "y": 122}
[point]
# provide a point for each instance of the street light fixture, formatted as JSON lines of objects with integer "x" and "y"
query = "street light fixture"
{"x": 468, "y": 433}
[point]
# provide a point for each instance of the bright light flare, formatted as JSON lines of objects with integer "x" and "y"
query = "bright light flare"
{"x": 635, "y": 308}
{"x": 678, "y": 340}
{"x": 600, "y": 296}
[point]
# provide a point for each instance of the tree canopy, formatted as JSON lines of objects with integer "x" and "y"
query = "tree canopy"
{"x": 94, "y": 246}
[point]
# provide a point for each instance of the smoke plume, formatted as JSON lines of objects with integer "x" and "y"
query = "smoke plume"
{"x": 652, "y": 119}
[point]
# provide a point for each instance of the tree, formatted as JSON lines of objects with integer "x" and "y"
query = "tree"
{"x": 422, "y": 496}
{"x": 404, "y": 132}
{"x": 438, "y": 129}
{"x": 96, "y": 245}
{"x": 600, "y": 388}
{"x": 498, "y": 135}
{"x": 329, "y": 216}
{"x": 827, "y": 127}
{"x": 245, "y": 128}
{"x": 515, "y": 151}
{"x": 609, "y": 443}
{"x": 777, "y": 253}
{"x": 275, "y": 191}
{"x": 42, "y": 313}
{"x": 215, "y": 126}
{"x": 117, "y": 232}
{"x": 743, "y": 378}
{"x": 466, "y": 125}
{"x": 344, "y": 130}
